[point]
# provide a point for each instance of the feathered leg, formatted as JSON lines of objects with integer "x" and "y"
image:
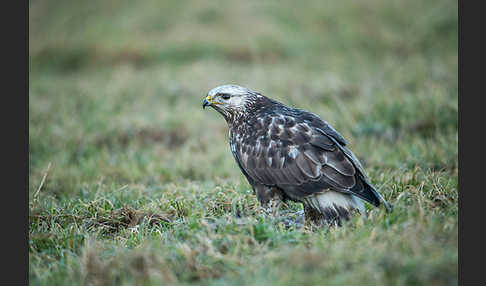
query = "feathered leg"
{"x": 270, "y": 199}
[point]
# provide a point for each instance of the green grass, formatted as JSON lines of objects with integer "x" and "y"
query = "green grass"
{"x": 132, "y": 183}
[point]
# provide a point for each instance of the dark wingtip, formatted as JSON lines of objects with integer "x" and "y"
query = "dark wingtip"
{"x": 381, "y": 200}
{"x": 389, "y": 208}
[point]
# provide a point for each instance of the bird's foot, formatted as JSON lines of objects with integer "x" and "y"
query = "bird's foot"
{"x": 271, "y": 208}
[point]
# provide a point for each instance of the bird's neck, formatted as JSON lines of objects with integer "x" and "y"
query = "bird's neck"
{"x": 253, "y": 108}
{"x": 234, "y": 119}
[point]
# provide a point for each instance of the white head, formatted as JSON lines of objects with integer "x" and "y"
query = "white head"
{"x": 230, "y": 100}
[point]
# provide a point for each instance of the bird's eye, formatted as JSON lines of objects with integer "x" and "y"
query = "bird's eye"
{"x": 225, "y": 96}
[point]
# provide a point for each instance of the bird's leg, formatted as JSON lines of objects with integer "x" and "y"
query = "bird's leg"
{"x": 270, "y": 199}
{"x": 313, "y": 216}
{"x": 273, "y": 205}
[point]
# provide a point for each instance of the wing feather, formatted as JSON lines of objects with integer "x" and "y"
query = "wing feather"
{"x": 313, "y": 156}
{"x": 337, "y": 178}
{"x": 340, "y": 163}
{"x": 298, "y": 156}
{"x": 322, "y": 142}
{"x": 307, "y": 166}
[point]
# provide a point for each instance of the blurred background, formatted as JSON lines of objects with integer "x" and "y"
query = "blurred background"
{"x": 116, "y": 87}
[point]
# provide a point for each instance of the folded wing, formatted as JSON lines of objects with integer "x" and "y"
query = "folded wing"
{"x": 302, "y": 157}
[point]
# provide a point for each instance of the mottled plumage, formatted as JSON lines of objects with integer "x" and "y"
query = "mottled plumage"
{"x": 292, "y": 154}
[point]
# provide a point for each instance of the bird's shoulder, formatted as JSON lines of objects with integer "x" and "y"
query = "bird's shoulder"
{"x": 278, "y": 122}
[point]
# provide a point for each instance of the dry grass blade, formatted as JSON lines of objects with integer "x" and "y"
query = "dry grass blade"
{"x": 37, "y": 192}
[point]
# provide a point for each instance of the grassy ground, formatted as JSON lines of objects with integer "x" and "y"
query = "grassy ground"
{"x": 131, "y": 182}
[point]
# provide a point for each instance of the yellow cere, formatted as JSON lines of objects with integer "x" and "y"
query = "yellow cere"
{"x": 209, "y": 98}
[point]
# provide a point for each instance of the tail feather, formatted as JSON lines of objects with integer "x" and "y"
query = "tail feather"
{"x": 364, "y": 190}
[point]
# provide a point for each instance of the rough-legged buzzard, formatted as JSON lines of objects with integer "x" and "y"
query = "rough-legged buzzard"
{"x": 292, "y": 154}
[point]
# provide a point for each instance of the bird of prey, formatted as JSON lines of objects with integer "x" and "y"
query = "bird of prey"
{"x": 291, "y": 154}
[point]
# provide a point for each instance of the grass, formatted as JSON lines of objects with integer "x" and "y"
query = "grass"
{"x": 132, "y": 183}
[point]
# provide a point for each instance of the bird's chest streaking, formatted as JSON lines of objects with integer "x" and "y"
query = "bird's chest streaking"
{"x": 233, "y": 142}
{"x": 240, "y": 135}
{"x": 247, "y": 140}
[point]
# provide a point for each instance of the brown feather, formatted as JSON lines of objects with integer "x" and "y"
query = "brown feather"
{"x": 337, "y": 178}
{"x": 340, "y": 163}
{"x": 307, "y": 166}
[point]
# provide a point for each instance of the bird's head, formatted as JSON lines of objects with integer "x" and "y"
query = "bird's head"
{"x": 230, "y": 100}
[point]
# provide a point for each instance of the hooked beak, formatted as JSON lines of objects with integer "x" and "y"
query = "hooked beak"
{"x": 207, "y": 101}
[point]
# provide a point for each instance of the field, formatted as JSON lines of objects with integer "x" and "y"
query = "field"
{"x": 132, "y": 183}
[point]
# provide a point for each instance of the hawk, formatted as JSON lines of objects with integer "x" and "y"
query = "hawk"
{"x": 291, "y": 154}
